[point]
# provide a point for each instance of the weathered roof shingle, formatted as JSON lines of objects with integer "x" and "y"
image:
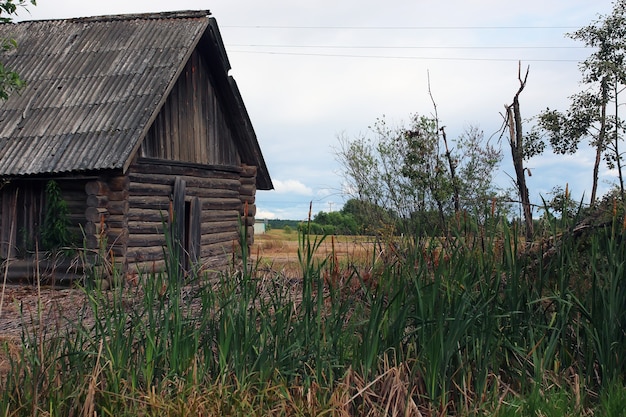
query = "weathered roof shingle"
{"x": 94, "y": 85}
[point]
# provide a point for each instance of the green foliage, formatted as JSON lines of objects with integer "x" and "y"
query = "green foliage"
{"x": 281, "y": 224}
{"x": 8, "y": 8}
{"x": 55, "y": 232}
{"x": 408, "y": 171}
{"x": 593, "y": 114}
{"x": 476, "y": 326}
{"x": 10, "y": 81}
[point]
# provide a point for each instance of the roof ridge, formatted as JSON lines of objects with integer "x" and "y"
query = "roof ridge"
{"x": 181, "y": 14}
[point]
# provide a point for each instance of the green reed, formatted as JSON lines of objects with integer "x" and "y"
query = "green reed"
{"x": 466, "y": 316}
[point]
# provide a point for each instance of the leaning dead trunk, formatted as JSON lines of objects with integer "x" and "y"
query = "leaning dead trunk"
{"x": 516, "y": 138}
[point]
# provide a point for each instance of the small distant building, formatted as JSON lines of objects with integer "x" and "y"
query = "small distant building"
{"x": 260, "y": 226}
{"x": 137, "y": 120}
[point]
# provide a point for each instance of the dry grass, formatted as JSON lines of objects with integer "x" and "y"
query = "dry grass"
{"x": 277, "y": 252}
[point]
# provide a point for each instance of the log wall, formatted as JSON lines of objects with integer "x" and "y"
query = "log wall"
{"x": 151, "y": 194}
{"x": 247, "y": 194}
{"x": 123, "y": 219}
{"x": 106, "y": 220}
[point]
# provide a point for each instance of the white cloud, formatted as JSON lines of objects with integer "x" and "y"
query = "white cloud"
{"x": 291, "y": 187}
{"x": 299, "y": 98}
{"x": 264, "y": 214}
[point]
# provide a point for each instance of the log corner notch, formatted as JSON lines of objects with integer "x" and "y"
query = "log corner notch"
{"x": 247, "y": 194}
{"x": 106, "y": 225}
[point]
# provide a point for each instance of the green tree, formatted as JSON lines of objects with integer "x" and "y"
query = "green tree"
{"x": 411, "y": 172}
{"x": 55, "y": 232}
{"x": 368, "y": 218}
{"x": 10, "y": 81}
{"x": 594, "y": 112}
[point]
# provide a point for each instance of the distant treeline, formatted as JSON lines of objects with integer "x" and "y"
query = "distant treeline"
{"x": 355, "y": 218}
{"x": 280, "y": 224}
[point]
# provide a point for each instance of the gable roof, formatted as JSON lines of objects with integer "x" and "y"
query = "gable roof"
{"x": 95, "y": 85}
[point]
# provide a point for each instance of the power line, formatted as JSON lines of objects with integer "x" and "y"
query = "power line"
{"x": 403, "y": 57}
{"x": 403, "y": 27}
{"x": 398, "y": 47}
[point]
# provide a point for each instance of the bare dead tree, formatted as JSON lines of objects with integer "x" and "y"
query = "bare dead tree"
{"x": 448, "y": 154}
{"x": 516, "y": 140}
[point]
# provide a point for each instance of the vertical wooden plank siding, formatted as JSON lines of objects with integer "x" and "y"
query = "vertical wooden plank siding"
{"x": 195, "y": 231}
{"x": 22, "y": 207}
{"x": 191, "y": 126}
{"x": 178, "y": 238}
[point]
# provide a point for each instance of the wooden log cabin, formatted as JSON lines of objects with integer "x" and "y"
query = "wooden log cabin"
{"x": 138, "y": 123}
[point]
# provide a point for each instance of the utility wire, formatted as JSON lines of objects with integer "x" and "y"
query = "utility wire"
{"x": 398, "y": 47}
{"x": 402, "y": 57}
{"x": 404, "y": 27}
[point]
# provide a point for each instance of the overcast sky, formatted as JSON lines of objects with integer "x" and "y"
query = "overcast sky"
{"x": 310, "y": 71}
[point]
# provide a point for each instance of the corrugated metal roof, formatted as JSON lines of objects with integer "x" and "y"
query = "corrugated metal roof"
{"x": 93, "y": 85}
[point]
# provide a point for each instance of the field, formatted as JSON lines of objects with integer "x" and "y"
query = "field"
{"x": 277, "y": 251}
{"x": 476, "y": 325}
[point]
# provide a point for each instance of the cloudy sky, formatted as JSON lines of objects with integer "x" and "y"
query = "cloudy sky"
{"x": 312, "y": 70}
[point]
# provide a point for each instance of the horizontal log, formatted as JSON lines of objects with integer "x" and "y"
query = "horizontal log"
{"x": 221, "y": 204}
{"x": 91, "y": 241}
{"x": 202, "y": 181}
{"x": 95, "y": 214}
{"x": 251, "y": 210}
{"x": 142, "y": 227}
{"x": 77, "y": 218}
{"x": 154, "y": 202}
{"x": 96, "y": 188}
{"x": 248, "y": 170}
{"x": 219, "y": 215}
{"x": 77, "y": 194}
{"x": 177, "y": 169}
{"x": 143, "y": 254}
{"x": 218, "y": 227}
{"x": 117, "y": 207}
{"x": 250, "y": 199}
{"x": 219, "y": 238}
{"x": 211, "y": 192}
{"x": 117, "y": 221}
{"x": 119, "y": 183}
{"x": 146, "y": 240}
{"x": 93, "y": 228}
{"x": 248, "y": 189}
{"x": 138, "y": 188}
{"x": 118, "y": 195}
{"x": 117, "y": 236}
{"x": 147, "y": 215}
{"x": 218, "y": 249}
{"x": 77, "y": 207}
{"x": 97, "y": 200}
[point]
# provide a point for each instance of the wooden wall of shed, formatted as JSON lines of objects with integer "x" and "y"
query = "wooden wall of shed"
{"x": 106, "y": 216}
{"x": 192, "y": 126}
{"x": 22, "y": 212}
{"x": 248, "y": 198}
{"x": 150, "y": 201}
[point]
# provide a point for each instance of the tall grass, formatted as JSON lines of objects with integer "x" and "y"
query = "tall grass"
{"x": 480, "y": 326}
